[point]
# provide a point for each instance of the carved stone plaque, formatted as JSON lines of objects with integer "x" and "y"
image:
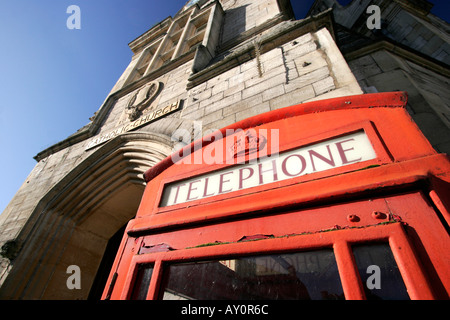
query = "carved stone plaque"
{"x": 141, "y": 99}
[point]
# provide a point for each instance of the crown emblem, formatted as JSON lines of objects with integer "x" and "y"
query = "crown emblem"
{"x": 247, "y": 143}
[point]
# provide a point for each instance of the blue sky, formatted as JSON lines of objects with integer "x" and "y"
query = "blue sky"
{"x": 53, "y": 79}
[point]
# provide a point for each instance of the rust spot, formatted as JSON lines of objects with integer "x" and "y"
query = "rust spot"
{"x": 255, "y": 237}
{"x": 394, "y": 217}
{"x": 162, "y": 247}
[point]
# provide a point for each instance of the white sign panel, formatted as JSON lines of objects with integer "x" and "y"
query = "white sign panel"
{"x": 330, "y": 154}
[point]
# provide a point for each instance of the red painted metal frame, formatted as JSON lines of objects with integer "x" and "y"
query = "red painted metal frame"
{"x": 341, "y": 242}
{"x": 304, "y": 230}
{"x": 408, "y": 175}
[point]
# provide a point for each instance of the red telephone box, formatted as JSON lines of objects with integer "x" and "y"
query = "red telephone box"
{"x": 334, "y": 199}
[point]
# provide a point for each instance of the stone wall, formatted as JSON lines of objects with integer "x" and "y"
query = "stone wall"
{"x": 428, "y": 96}
{"x": 409, "y": 23}
{"x": 307, "y": 68}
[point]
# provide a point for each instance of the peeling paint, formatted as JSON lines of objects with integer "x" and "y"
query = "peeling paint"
{"x": 394, "y": 219}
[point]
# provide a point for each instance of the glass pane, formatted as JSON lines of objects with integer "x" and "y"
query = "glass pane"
{"x": 379, "y": 272}
{"x": 142, "y": 282}
{"x": 304, "y": 275}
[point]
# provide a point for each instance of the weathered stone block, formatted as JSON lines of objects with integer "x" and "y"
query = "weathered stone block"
{"x": 324, "y": 85}
{"x": 294, "y": 97}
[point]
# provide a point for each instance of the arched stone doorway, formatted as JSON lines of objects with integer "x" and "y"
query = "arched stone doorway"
{"x": 75, "y": 220}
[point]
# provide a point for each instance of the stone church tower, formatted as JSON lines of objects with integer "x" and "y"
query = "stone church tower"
{"x": 212, "y": 64}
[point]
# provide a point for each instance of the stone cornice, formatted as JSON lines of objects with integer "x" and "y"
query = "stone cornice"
{"x": 402, "y": 51}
